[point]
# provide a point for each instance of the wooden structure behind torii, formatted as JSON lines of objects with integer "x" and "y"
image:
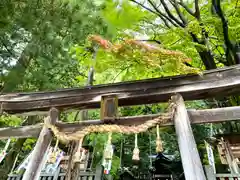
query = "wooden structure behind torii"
{"x": 215, "y": 83}
{"x": 228, "y": 146}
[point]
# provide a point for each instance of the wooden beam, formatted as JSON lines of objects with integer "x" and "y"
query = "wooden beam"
{"x": 192, "y": 166}
{"x": 236, "y": 154}
{"x": 20, "y": 132}
{"x": 232, "y": 138}
{"x": 221, "y": 176}
{"x": 215, "y": 115}
{"x": 235, "y": 148}
{"x": 197, "y": 117}
{"x": 214, "y": 83}
{"x": 35, "y": 165}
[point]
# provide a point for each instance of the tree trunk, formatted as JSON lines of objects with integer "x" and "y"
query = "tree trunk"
{"x": 207, "y": 59}
{"x": 232, "y": 50}
{"x": 206, "y": 55}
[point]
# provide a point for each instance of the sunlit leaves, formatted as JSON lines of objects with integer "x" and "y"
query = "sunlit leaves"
{"x": 194, "y": 27}
{"x": 28, "y": 144}
{"x": 132, "y": 59}
{"x": 122, "y": 15}
{"x": 7, "y": 120}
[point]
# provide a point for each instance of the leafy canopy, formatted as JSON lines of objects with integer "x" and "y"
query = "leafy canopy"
{"x": 132, "y": 57}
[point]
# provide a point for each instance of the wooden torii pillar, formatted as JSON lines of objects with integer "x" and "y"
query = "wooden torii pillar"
{"x": 192, "y": 166}
{"x": 36, "y": 162}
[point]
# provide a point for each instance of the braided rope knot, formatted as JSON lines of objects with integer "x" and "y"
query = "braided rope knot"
{"x": 114, "y": 128}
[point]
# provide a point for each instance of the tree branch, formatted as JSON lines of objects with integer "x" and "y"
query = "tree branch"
{"x": 197, "y": 11}
{"x": 176, "y": 42}
{"x": 125, "y": 68}
{"x": 170, "y": 14}
{"x": 186, "y": 8}
{"x": 150, "y": 40}
{"x": 162, "y": 14}
{"x": 146, "y": 8}
{"x": 180, "y": 14}
{"x": 156, "y": 26}
{"x": 165, "y": 21}
{"x": 206, "y": 56}
{"x": 231, "y": 54}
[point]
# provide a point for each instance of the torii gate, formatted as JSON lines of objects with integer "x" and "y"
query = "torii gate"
{"x": 214, "y": 83}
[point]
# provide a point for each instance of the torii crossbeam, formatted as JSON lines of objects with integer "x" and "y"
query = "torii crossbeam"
{"x": 215, "y": 83}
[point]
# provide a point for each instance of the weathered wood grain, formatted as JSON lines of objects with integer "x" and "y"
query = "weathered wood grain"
{"x": 36, "y": 162}
{"x": 20, "y": 132}
{"x": 234, "y": 169}
{"x": 214, "y": 83}
{"x": 191, "y": 161}
{"x": 232, "y": 138}
{"x": 210, "y": 172}
{"x": 214, "y": 115}
{"x": 196, "y": 117}
{"x": 109, "y": 108}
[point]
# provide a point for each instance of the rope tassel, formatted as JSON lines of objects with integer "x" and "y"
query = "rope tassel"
{"x": 53, "y": 153}
{"x": 159, "y": 146}
{"x": 136, "y": 151}
{"x": 78, "y": 153}
{"x": 108, "y": 150}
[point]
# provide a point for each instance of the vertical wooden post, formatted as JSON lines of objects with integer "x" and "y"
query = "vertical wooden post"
{"x": 210, "y": 172}
{"x": 35, "y": 165}
{"x": 99, "y": 173}
{"x": 109, "y": 108}
{"x": 230, "y": 158}
{"x": 191, "y": 162}
{"x": 56, "y": 174}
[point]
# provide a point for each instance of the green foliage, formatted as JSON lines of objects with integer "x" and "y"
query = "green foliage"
{"x": 28, "y": 144}
{"x": 7, "y": 120}
{"x": 35, "y": 38}
{"x": 48, "y": 30}
{"x": 43, "y": 47}
{"x": 119, "y": 15}
{"x": 133, "y": 60}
